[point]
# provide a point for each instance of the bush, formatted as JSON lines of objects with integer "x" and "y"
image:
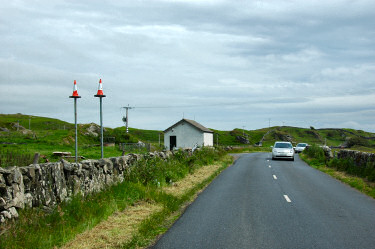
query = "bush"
{"x": 352, "y": 141}
{"x": 156, "y": 171}
{"x": 315, "y": 152}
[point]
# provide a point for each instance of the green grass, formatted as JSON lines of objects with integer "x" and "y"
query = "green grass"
{"x": 37, "y": 229}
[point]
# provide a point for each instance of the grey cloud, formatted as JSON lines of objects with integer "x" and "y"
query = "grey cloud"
{"x": 246, "y": 61}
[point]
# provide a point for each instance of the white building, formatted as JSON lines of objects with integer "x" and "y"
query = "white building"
{"x": 187, "y": 134}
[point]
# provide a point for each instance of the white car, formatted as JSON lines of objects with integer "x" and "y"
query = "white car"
{"x": 283, "y": 150}
{"x": 300, "y": 147}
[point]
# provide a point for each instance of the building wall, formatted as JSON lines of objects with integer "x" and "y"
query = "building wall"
{"x": 187, "y": 136}
{"x": 208, "y": 139}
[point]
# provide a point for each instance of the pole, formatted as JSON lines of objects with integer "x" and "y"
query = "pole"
{"x": 101, "y": 127}
{"x": 75, "y": 125}
{"x": 100, "y": 95}
{"x": 75, "y": 96}
{"x": 127, "y": 120}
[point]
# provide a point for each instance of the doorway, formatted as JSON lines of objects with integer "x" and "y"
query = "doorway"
{"x": 172, "y": 142}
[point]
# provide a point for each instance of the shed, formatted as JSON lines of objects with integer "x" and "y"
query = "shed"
{"x": 187, "y": 133}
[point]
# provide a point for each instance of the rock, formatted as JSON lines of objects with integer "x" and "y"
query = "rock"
{"x": 2, "y": 219}
{"x": 28, "y": 200}
{"x": 13, "y": 212}
{"x": 2, "y": 179}
{"x": 4, "y": 129}
{"x": 18, "y": 196}
{"x": 243, "y": 140}
{"x": 93, "y": 130}
{"x": 2, "y": 203}
{"x": 6, "y": 215}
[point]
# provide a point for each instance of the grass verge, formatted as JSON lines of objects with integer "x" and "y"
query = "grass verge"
{"x": 358, "y": 183}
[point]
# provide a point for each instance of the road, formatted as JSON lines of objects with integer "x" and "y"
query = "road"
{"x": 261, "y": 203}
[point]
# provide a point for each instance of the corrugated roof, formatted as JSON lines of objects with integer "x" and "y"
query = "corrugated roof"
{"x": 193, "y": 123}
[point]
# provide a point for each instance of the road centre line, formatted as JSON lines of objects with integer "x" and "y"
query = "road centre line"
{"x": 287, "y": 198}
{"x": 269, "y": 166}
{"x": 274, "y": 177}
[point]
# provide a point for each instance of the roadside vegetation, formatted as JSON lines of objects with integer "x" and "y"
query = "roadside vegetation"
{"x": 345, "y": 170}
{"x": 37, "y": 228}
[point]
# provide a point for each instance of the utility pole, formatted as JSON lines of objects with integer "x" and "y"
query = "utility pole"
{"x": 269, "y": 123}
{"x": 243, "y": 131}
{"x": 126, "y": 118}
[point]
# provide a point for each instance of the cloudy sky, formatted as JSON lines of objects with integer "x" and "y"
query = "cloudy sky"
{"x": 226, "y": 64}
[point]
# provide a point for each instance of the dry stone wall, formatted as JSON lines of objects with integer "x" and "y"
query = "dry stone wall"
{"x": 45, "y": 185}
{"x": 359, "y": 158}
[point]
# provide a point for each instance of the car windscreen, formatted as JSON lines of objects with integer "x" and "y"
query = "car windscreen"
{"x": 283, "y": 145}
{"x": 301, "y": 145}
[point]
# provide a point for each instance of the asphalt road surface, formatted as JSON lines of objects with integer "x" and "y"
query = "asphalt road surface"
{"x": 261, "y": 203}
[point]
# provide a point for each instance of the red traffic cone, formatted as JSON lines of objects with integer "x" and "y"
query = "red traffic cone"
{"x": 100, "y": 90}
{"x": 75, "y": 91}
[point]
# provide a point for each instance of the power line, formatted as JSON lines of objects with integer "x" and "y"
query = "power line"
{"x": 193, "y": 106}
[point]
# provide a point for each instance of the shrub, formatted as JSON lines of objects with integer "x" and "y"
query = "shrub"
{"x": 352, "y": 141}
{"x": 156, "y": 171}
{"x": 315, "y": 152}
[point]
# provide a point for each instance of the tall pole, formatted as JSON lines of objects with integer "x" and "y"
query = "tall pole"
{"x": 101, "y": 96}
{"x": 101, "y": 127}
{"x": 75, "y": 125}
{"x": 75, "y": 96}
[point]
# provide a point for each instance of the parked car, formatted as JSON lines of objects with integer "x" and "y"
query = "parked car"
{"x": 300, "y": 147}
{"x": 283, "y": 150}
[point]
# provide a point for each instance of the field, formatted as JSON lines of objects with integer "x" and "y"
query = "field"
{"x": 21, "y": 136}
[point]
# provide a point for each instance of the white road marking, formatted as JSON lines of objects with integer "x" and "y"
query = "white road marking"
{"x": 269, "y": 166}
{"x": 287, "y": 198}
{"x": 274, "y": 177}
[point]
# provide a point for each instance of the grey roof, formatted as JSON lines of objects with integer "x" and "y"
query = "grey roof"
{"x": 193, "y": 123}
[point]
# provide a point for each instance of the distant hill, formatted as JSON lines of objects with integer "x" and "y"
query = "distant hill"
{"x": 42, "y": 132}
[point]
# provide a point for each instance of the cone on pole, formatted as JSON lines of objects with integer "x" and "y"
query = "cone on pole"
{"x": 100, "y": 90}
{"x": 75, "y": 91}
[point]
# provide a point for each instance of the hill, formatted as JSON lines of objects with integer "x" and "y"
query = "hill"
{"x": 24, "y": 135}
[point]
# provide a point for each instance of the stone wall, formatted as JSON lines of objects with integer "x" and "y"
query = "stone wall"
{"x": 51, "y": 183}
{"x": 360, "y": 158}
